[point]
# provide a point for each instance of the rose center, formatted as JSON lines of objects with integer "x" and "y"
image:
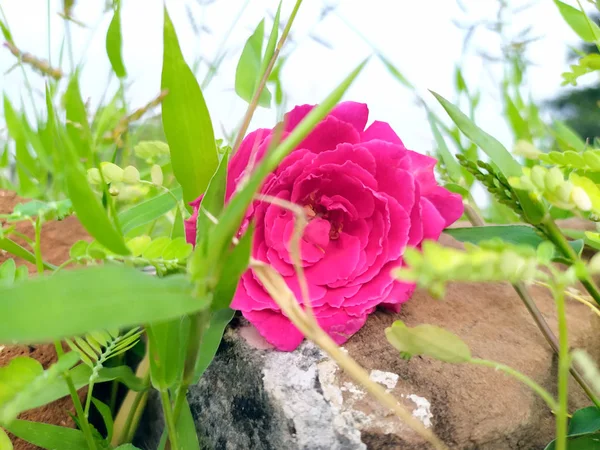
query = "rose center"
{"x": 313, "y": 210}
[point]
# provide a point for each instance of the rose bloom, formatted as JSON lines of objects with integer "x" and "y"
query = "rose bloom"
{"x": 366, "y": 198}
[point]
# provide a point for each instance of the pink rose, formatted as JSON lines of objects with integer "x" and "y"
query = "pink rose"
{"x": 366, "y": 196}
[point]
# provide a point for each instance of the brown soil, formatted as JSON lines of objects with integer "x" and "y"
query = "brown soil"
{"x": 57, "y": 239}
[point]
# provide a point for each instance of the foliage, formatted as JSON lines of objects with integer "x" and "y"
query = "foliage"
{"x": 139, "y": 290}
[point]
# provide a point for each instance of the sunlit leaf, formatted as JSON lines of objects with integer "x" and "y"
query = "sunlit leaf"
{"x": 114, "y": 43}
{"x": 428, "y": 340}
{"x": 587, "y": 30}
{"x": 90, "y": 297}
{"x": 106, "y": 414}
{"x": 149, "y": 210}
{"x": 78, "y": 127}
{"x": 248, "y": 72}
{"x": 186, "y": 120}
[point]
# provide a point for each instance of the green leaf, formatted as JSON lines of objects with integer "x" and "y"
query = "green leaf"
{"x": 567, "y": 137}
{"x": 89, "y": 298}
{"x": 452, "y": 166}
{"x": 156, "y": 248}
{"x": 167, "y": 351}
{"x": 512, "y": 234}
{"x": 213, "y": 200}
{"x": 178, "y": 229}
{"x": 211, "y": 339}
{"x": 590, "y": 441}
{"x": 88, "y": 208}
{"x": 178, "y": 248}
{"x": 577, "y": 20}
{"x": 497, "y": 153}
{"x": 106, "y": 414}
{"x": 518, "y": 123}
{"x": 127, "y": 447}
{"x": 8, "y": 271}
{"x": 270, "y": 49}
{"x": 24, "y": 379}
{"x": 186, "y": 429}
{"x": 149, "y": 210}
{"x": 428, "y": 340}
{"x": 393, "y": 70}
{"x": 585, "y": 420}
{"x": 248, "y": 71}
{"x": 47, "y": 436}
{"x": 5, "y": 443}
{"x": 114, "y": 43}
{"x": 151, "y": 150}
{"x": 78, "y": 127}
{"x": 15, "y": 249}
{"x": 234, "y": 266}
{"x": 186, "y": 120}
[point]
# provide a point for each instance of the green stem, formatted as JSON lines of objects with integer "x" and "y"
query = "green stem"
{"x": 170, "y": 420}
{"x": 83, "y": 422}
{"x": 543, "y": 393}
{"x": 134, "y": 416}
{"x": 558, "y": 239}
{"x": 263, "y": 81}
{"x": 535, "y": 313}
{"x": 88, "y": 399}
{"x": 564, "y": 364}
{"x": 39, "y": 262}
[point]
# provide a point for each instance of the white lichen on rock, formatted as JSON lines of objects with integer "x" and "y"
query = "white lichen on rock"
{"x": 423, "y": 409}
{"x": 388, "y": 379}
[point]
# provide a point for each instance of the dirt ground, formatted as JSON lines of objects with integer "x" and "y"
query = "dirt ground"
{"x": 57, "y": 239}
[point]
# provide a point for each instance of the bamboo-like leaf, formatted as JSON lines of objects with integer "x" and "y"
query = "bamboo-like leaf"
{"x": 48, "y": 436}
{"x": 5, "y": 443}
{"x": 149, "y": 210}
{"x": 498, "y": 154}
{"x": 90, "y": 297}
{"x": 186, "y": 120}
{"x": 248, "y": 71}
{"x": 579, "y": 23}
{"x": 15, "y": 249}
{"x": 211, "y": 340}
{"x": 78, "y": 126}
{"x": 114, "y": 43}
{"x": 106, "y": 414}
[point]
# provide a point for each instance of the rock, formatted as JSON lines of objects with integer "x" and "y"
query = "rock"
{"x": 253, "y": 397}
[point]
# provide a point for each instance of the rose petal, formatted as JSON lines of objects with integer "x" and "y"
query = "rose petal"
{"x": 353, "y": 113}
{"x": 277, "y": 329}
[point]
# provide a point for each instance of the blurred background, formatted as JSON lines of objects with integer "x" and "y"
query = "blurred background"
{"x": 425, "y": 41}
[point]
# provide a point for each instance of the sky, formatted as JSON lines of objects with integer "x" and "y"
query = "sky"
{"x": 420, "y": 37}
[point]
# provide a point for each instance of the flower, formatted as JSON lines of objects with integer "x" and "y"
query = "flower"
{"x": 366, "y": 197}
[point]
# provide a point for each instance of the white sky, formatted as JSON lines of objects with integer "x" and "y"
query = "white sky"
{"x": 418, "y": 36}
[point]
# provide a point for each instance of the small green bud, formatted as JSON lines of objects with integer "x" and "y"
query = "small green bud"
{"x": 156, "y": 175}
{"x": 131, "y": 175}
{"x": 538, "y": 175}
{"x": 526, "y": 149}
{"x": 554, "y": 178}
{"x": 93, "y": 176}
{"x": 594, "y": 264}
{"x": 112, "y": 173}
{"x": 580, "y": 198}
{"x": 564, "y": 191}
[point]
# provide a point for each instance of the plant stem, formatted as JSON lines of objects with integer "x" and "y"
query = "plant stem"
{"x": 563, "y": 369}
{"x": 39, "y": 262}
{"x": 558, "y": 239}
{"x": 170, "y": 420}
{"x": 543, "y": 393}
{"x": 132, "y": 407}
{"x": 542, "y": 325}
{"x": 83, "y": 422}
{"x": 263, "y": 81}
